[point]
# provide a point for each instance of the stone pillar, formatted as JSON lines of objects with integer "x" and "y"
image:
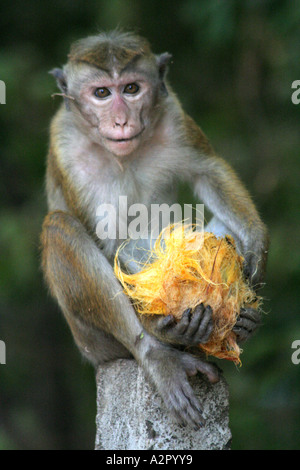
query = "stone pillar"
{"x": 132, "y": 416}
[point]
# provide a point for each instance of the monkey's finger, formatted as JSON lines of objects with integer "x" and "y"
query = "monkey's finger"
{"x": 244, "y": 329}
{"x": 193, "y": 412}
{"x": 165, "y": 322}
{"x": 206, "y": 327}
{"x": 211, "y": 372}
{"x": 200, "y": 326}
{"x": 248, "y": 319}
{"x": 241, "y": 334}
{"x": 184, "y": 416}
{"x": 202, "y": 337}
{"x": 198, "y": 365}
{"x": 250, "y": 314}
{"x": 181, "y": 401}
{"x": 184, "y": 322}
{"x": 187, "y": 407}
{"x": 245, "y": 324}
{"x": 195, "y": 321}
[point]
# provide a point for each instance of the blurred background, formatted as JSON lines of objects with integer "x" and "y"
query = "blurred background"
{"x": 233, "y": 66}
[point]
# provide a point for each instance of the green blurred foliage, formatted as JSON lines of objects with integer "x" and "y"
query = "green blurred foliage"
{"x": 233, "y": 65}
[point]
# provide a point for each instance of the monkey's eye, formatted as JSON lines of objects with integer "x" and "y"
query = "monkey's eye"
{"x": 131, "y": 88}
{"x": 102, "y": 92}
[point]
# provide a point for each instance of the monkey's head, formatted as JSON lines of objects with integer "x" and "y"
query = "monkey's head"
{"x": 116, "y": 84}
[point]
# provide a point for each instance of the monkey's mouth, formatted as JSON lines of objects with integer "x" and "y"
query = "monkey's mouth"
{"x": 129, "y": 139}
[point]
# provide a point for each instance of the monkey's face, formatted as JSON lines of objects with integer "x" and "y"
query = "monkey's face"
{"x": 115, "y": 83}
{"x": 119, "y": 108}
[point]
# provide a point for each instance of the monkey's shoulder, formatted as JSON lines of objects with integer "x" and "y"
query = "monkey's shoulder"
{"x": 195, "y": 137}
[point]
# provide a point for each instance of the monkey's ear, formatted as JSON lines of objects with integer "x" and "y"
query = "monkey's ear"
{"x": 162, "y": 63}
{"x": 61, "y": 80}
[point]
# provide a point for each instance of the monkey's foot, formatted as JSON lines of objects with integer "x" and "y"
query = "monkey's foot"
{"x": 170, "y": 369}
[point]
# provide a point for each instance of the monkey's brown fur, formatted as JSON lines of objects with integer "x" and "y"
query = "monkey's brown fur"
{"x": 108, "y": 141}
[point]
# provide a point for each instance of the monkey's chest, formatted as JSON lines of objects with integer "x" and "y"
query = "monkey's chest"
{"x": 130, "y": 193}
{"x": 128, "y": 209}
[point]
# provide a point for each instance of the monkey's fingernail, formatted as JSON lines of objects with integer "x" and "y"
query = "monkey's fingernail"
{"x": 187, "y": 311}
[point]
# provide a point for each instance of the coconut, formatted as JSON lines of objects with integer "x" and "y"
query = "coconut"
{"x": 187, "y": 267}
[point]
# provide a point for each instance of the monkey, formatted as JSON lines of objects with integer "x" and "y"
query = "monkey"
{"x": 121, "y": 130}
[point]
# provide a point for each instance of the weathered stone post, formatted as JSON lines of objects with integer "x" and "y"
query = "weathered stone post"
{"x": 132, "y": 416}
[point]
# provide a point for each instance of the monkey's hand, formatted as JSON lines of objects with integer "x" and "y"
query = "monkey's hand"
{"x": 169, "y": 369}
{"x": 248, "y": 321}
{"x": 190, "y": 330}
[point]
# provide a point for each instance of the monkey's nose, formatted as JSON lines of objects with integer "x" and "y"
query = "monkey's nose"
{"x": 120, "y": 122}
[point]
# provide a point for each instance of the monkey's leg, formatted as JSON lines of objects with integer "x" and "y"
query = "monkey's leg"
{"x": 82, "y": 280}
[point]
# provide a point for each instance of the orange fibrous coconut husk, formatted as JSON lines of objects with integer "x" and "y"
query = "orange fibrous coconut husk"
{"x": 187, "y": 268}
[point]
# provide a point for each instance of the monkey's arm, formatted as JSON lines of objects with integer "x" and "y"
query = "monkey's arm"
{"x": 217, "y": 185}
{"x": 81, "y": 280}
{"x": 222, "y": 192}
